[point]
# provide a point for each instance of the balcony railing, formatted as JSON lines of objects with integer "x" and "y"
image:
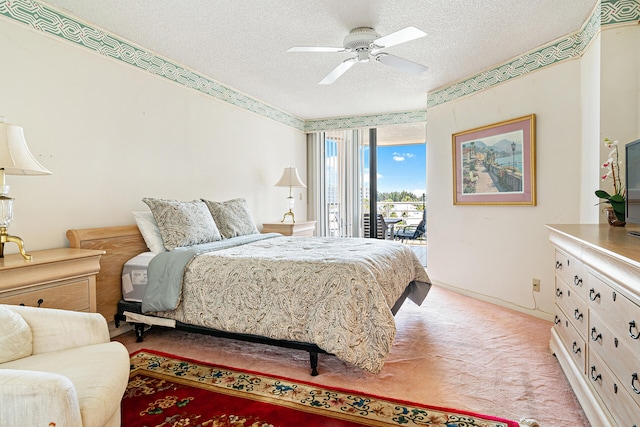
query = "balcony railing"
{"x": 410, "y": 212}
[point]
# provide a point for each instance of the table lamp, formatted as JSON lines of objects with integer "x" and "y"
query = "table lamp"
{"x": 15, "y": 159}
{"x": 290, "y": 179}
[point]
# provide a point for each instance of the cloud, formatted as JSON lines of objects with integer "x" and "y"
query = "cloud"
{"x": 400, "y": 157}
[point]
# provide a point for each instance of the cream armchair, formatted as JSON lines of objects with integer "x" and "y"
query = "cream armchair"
{"x": 58, "y": 368}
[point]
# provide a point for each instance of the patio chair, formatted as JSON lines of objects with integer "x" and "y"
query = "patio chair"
{"x": 412, "y": 232}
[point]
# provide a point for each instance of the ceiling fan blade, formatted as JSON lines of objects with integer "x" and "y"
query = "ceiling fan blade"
{"x": 338, "y": 71}
{"x": 401, "y": 36}
{"x": 400, "y": 63}
{"x": 315, "y": 49}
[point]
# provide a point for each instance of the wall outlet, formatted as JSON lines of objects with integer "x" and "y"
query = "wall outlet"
{"x": 535, "y": 283}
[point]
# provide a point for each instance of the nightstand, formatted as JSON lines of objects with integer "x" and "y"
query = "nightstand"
{"x": 62, "y": 278}
{"x": 300, "y": 228}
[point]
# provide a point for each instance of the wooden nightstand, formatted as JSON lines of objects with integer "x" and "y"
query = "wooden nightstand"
{"x": 300, "y": 228}
{"x": 62, "y": 278}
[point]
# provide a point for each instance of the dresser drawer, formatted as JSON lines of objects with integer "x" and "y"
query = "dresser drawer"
{"x": 572, "y": 272}
{"x": 67, "y": 295}
{"x": 571, "y": 339}
{"x": 574, "y": 307}
{"x": 624, "y": 364}
{"x": 619, "y": 313}
{"x": 623, "y": 409}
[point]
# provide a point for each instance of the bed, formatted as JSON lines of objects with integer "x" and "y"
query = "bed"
{"x": 321, "y": 295}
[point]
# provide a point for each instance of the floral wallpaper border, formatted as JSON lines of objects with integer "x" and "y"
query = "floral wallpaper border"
{"x": 48, "y": 20}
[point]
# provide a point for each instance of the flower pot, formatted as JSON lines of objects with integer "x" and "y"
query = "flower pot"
{"x": 612, "y": 219}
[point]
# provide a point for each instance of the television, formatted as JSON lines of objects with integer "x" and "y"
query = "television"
{"x": 632, "y": 175}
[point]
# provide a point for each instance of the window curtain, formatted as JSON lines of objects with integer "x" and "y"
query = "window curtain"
{"x": 335, "y": 166}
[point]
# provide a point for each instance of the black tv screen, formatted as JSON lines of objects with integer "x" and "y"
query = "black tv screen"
{"x": 632, "y": 152}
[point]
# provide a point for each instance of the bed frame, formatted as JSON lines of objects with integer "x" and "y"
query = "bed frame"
{"x": 121, "y": 243}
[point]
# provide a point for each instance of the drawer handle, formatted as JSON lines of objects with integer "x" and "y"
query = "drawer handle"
{"x": 576, "y": 349}
{"x": 595, "y": 377}
{"x": 577, "y": 315}
{"x": 593, "y": 295}
{"x": 577, "y": 280}
{"x": 557, "y": 320}
{"x": 632, "y": 325}
{"x": 40, "y": 301}
{"x": 558, "y": 265}
{"x": 614, "y": 295}
{"x": 634, "y": 378}
{"x": 595, "y": 337}
{"x": 558, "y": 292}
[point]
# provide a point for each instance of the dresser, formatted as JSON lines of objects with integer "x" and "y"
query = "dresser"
{"x": 300, "y": 228}
{"x": 596, "y": 331}
{"x": 62, "y": 278}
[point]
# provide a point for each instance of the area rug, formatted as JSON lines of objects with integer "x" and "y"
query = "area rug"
{"x": 171, "y": 391}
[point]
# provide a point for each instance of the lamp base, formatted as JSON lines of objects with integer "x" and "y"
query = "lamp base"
{"x": 286, "y": 214}
{"x": 5, "y": 238}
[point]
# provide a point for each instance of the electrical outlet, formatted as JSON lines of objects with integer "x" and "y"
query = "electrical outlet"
{"x": 536, "y": 284}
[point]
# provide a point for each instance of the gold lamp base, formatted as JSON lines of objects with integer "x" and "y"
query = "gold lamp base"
{"x": 286, "y": 214}
{"x": 5, "y": 238}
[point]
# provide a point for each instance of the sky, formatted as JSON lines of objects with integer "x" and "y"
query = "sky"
{"x": 401, "y": 167}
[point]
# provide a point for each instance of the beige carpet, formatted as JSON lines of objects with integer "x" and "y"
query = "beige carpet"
{"x": 453, "y": 351}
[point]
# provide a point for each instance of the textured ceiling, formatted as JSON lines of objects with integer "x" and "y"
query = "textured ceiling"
{"x": 243, "y": 43}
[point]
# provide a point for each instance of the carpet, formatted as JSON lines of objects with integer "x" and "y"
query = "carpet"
{"x": 171, "y": 391}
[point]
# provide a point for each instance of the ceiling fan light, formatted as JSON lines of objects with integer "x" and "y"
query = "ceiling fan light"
{"x": 363, "y": 56}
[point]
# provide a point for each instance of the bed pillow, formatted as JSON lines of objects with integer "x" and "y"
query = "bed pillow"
{"x": 232, "y": 217}
{"x": 150, "y": 231}
{"x": 16, "y": 340}
{"x": 183, "y": 223}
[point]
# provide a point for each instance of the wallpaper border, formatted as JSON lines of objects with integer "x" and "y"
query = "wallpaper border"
{"x": 48, "y": 20}
{"x": 606, "y": 12}
{"x": 44, "y": 18}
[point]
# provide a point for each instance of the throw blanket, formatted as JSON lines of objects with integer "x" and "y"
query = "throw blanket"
{"x": 335, "y": 293}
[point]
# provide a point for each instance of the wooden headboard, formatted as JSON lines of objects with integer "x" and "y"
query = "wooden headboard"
{"x": 120, "y": 243}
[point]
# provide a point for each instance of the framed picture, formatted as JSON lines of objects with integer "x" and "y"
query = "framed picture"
{"x": 496, "y": 164}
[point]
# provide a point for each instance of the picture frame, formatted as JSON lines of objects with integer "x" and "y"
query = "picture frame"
{"x": 496, "y": 164}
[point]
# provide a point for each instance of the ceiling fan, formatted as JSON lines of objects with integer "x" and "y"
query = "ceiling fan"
{"x": 366, "y": 44}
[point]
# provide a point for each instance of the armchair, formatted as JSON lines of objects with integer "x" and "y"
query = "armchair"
{"x": 59, "y": 368}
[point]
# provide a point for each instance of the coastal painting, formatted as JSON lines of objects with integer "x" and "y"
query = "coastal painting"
{"x": 495, "y": 164}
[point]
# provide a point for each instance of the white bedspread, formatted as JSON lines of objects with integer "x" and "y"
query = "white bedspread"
{"x": 335, "y": 293}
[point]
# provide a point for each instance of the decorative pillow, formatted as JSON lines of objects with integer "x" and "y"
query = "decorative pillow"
{"x": 150, "y": 231}
{"x": 232, "y": 217}
{"x": 16, "y": 340}
{"x": 183, "y": 223}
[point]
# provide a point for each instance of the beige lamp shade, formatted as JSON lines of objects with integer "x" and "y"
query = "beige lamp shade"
{"x": 15, "y": 157}
{"x": 290, "y": 178}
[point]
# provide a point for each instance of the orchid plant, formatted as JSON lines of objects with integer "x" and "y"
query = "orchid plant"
{"x": 612, "y": 167}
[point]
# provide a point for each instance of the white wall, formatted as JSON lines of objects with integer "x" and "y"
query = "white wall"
{"x": 590, "y": 77}
{"x": 620, "y": 92}
{"x": 493, "y": 252}
{"x": 112, "y": 134}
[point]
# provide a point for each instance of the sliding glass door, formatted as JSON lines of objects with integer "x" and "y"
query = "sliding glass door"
{"x": 346, "y": 183}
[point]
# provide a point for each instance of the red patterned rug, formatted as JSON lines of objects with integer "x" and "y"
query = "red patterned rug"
{"x": 171, "y": 391}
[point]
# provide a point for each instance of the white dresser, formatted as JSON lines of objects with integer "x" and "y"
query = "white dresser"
{"x": 596, "y": 332}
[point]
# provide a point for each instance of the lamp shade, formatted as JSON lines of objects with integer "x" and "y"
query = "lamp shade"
{"x": 290, "y": 178}
{"x": 15, "y": 157}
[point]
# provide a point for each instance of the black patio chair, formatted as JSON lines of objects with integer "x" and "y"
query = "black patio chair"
{"x": 412, "y": 232}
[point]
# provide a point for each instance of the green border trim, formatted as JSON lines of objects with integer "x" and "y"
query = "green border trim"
{"x": 606, "y": 12}
{"x": 619, "y": 11}
{"x": 44, "y": 18}
{"x": 365, "y": 121}
{"x": 52, "y": 22}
